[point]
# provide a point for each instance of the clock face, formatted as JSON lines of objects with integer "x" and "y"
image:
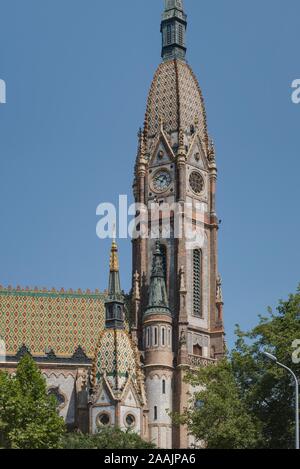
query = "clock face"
{"x": 161, "y": 181}
{"x": 196, "y": 182}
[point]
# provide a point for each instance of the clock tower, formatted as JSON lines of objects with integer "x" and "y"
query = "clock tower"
{"x": 175, "y": 173}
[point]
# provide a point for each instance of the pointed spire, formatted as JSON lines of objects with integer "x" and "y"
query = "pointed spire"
{"x": 114, "y": 305}
{"x": 173, "y": 29}
{"x": 158, "y": 298}
{"x": 114, "y": 288}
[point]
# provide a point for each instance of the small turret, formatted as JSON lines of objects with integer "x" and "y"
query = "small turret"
{"x": 157, "y": 334}
{"x": 117, "y": 395}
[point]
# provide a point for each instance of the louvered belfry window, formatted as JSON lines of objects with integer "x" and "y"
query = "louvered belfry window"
{"x": 169, "y": 34}
{"x": 180, "y": 33}
{"x": 197, "y": 283}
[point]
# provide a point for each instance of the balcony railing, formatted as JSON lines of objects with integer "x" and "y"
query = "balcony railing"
{"x": 196, "y": 361}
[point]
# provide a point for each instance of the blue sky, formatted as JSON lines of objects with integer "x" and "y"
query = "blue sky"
{"x": 78, "y": 74}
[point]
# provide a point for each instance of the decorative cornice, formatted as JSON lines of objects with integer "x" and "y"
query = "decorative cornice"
{"x": 78, "y": 357}
{"x": 53, "y": 293}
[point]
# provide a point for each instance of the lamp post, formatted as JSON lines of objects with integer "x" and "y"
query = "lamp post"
{"x": 274, "y": 360}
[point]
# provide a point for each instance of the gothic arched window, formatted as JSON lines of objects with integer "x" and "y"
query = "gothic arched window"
{"x": 119, "y": 312}
{"x": 198, "y": 350}
{"x": 148, "y": 331}
{"x": 169, "y": 337}
{"x": 163, "y": 336}
{"x": 155, "y": 336}
{"x": 197, "y": 283}
{"x": 110, "y": 312}
{"x": 60, "y": 398}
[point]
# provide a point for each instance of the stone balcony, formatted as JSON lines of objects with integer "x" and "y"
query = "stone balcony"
{"x": 196, "y": 361}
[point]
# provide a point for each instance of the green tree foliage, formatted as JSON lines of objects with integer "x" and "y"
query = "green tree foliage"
{"x": 245, "y": 401}
{"x": 28, "y": 416}
{"x": 218, "y": 415}
{"x": 107, "y": 438}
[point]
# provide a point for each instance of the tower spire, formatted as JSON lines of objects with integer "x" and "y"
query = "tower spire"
{"x": 114, "y": 288}
{"x": 114, "y": 306}
{"x": 173, "y": 29}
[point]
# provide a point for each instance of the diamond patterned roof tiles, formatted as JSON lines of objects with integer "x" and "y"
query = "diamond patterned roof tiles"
{"x": 116, "y": 357}
{"x": 41, "y": 320}
{"x": 176, "y": 98}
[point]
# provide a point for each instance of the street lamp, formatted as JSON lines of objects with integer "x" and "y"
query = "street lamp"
{"x": 274, "y": 360}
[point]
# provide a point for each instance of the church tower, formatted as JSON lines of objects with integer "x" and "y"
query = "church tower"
{"x": 179, "y": 283}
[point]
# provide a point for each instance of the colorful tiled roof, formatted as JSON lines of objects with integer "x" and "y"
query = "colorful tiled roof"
{"x": 51, "y": 321}
{"x": 176, "y": 98}
{"x": 116, "y": 357}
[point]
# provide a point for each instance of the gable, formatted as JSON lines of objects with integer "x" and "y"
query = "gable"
{"x": 196, "y": 156}
{"x": 103, "y": 397}
{"x": 162, "y": 153}
{"x": 130, "y": 399}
